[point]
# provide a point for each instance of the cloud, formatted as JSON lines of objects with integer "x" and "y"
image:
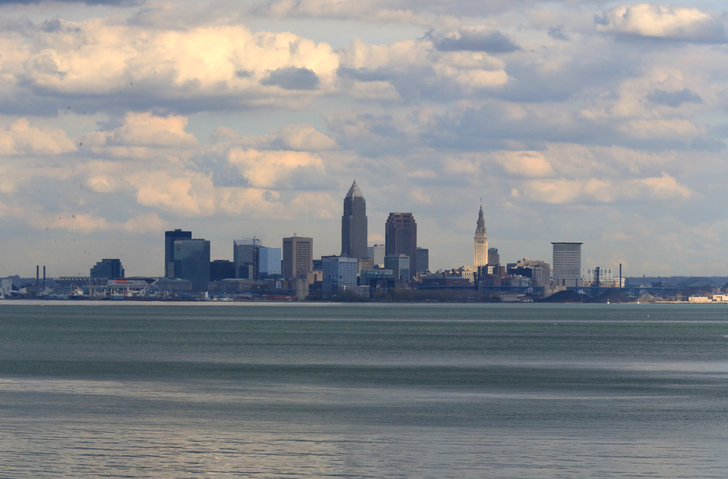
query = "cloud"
{"x": 298, "y": 137}
{"x": 278, "y": 169}
{"x": 145, "y": 129}
{"x": 88, "y": 223}
{"x": 186, "y": 194}
{"x": 563, "y": 191}
{"x": 661, "y": 21}
{"x": 22, "y": 139}
{"x": 474, "y": 39}
{"x": 99, "y": 64}
{"x": 558, "y": 32}
{"x": 525, "y": 163}
{"x": 674, "y": 98}
{"x": 292, "y": 78}
{"x": 417, "y": 70}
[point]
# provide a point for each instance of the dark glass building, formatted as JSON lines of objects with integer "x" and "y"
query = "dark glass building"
{"x": 354, "y": 224}
{"x": 221, "y": 269}
{"x": 192, "y": 262}
{"x": 108, "y": 268}
{"x": 169, "y": 238}
{"x": 423, "y": 260}
{"x": 401, "y": 237}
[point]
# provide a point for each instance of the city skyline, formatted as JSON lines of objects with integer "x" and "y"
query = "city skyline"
{"x": 602, "y": 122}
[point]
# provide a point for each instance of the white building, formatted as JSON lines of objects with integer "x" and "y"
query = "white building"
{"x": 6, "y": 287}
{"x": 567, "y": 264}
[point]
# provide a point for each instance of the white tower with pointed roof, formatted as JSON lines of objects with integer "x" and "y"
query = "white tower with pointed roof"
{"x": 481, "y": 241}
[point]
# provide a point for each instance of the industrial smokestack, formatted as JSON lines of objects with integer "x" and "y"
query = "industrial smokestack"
{"x": 620, "y": 275}
{"x": 37, "y": 275}
{"x": 44, "y": 276}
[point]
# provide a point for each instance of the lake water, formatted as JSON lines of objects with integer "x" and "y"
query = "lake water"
{"x": 363, "y": 391}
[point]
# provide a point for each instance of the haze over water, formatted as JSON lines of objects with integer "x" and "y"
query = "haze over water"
{"x": 363, "y": 391}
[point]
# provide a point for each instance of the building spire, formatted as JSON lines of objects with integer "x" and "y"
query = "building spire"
{"x": 354, "y": 191}
{"x": 480, "y": 230}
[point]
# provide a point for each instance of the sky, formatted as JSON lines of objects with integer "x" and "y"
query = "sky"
{"x": 597, "y": 121}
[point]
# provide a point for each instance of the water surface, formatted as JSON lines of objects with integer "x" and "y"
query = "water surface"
{"x": 363, "y": 391}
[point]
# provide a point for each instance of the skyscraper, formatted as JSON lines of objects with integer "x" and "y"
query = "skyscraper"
{"x": 567, "y": 264}
{"x": 354, "y": 224}
{"x": 269, "y": 263}
{"x": 246, "y": 258}
{"x": 192, "y": 262}
{"x": 169, "y": 238}
{"x": 493, "y": 257}
{"x": 423, "y": 260}
{"x": 481, "y": 241}
{"x": 297, "y": 257}
{"x": 401, "y": 237}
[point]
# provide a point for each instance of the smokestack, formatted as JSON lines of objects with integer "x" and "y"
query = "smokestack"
{"x": 37, "y": 275}
{"x": 620, "y": 275}
{"x": 44, "y": 276}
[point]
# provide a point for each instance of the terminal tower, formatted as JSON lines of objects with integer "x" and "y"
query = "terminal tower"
{"x": 481, "y": 241}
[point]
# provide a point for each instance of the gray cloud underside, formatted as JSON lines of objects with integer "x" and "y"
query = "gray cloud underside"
{"x": 292, "y": 79}
{"x": 474, "y": 41}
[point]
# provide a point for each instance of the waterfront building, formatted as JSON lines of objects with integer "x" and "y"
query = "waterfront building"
{"x": 108, "y": 268}
{"x": 169, "y": 238}
{"x": 221, "y": 269}
{"x": 339, "y": 272}
{"x": 539, "y": 271}
{"x": 493, "y": 257}
{"x": 423, "y": 260}
{"x": 481, "y": 241}
{"x": 192, "y": 262}
{"x": 297, "y": 257}
{"x": 567, "y": 263}
{"x": 376, "y": 253}
{"x": 246, "y": 256}
{"x": 269, "y": 261}
{"x": 401, "y": 238}
{"x": 400, "y": 266}
{"x": 354, "y": 224}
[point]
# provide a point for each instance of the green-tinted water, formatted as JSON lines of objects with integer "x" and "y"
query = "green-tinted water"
{"x": 405, "y": 390}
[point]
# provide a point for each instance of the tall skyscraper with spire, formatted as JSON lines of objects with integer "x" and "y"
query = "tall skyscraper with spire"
{"x": 354, "y": 224}
{"x": 481, "y": 241}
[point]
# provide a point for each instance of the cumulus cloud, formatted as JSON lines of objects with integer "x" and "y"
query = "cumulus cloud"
{"x": 416, "y": 69}
{"x": 297, "y": 137}
{"x": 278, "y": 169}
{"x": 474, "y": 39}
{"x": 674, "y": 98}
{"x": 662, "y": 21}
{"x": 22, "y": 139}
{"x": 226, "y": 66}
{"x": 145, "y": 129}
{"x": 563, "y": 191}
{"x": 525, "y": 163}
{"x": 292, "y": 78}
